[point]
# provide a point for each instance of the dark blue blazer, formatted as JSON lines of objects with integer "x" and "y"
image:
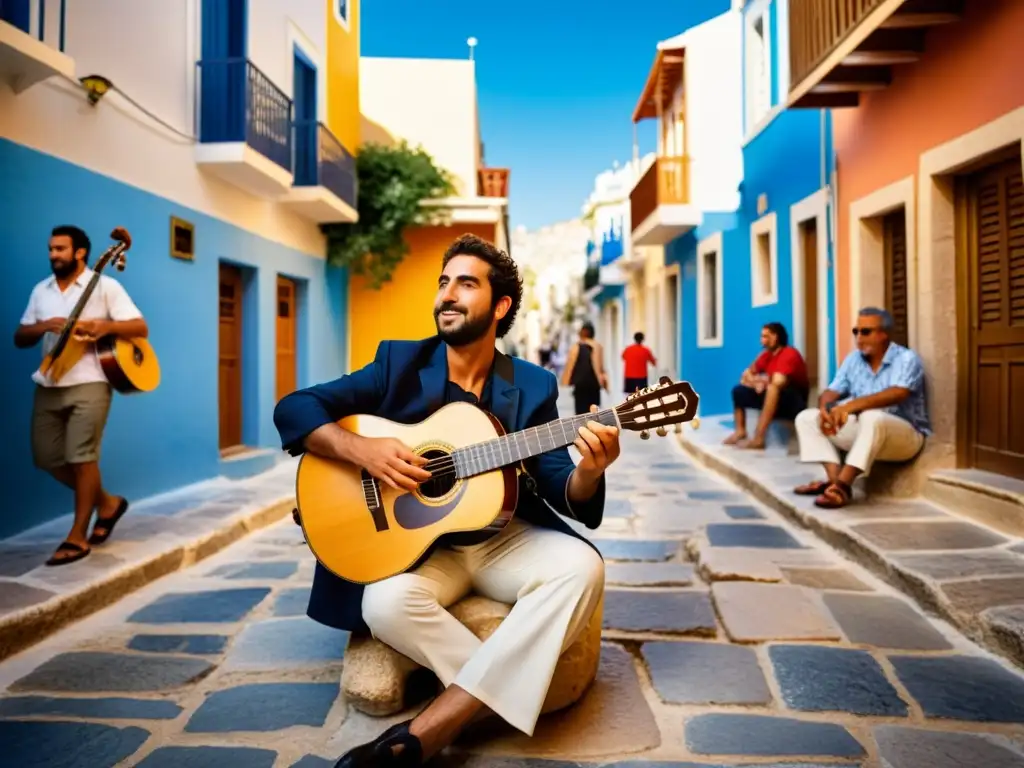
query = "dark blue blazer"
{"x": 406, "y": 382}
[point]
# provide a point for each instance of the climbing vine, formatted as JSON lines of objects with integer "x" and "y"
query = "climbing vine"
{"x": 393, "y": 181}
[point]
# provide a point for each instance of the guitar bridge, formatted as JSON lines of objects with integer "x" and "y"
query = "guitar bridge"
{"x": 374, "y": 502}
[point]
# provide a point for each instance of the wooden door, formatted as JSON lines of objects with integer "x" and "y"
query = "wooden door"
{"x": 993, "y": 216}
{"x": 230, "y": 374}
{"x": 894, "y": 238}
{"x": 809, "y": 244}
{"x": 287, "y": 335}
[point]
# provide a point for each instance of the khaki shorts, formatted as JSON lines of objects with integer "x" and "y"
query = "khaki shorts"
{"x": 67, "y": 424}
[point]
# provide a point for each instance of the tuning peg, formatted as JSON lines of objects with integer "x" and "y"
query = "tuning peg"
{"x": 661, "y": 431}
{"x": 695, "y": 422}
{"x": 645, "y": 435}
{"x": 678, "y": 428}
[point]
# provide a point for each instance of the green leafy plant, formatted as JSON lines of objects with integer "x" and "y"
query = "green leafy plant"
{"x": 393, "y": 181}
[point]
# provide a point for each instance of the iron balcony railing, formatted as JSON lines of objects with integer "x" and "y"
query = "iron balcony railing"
{"x": 611, "y": 248}
{"x": 18, "y": 13}
{"x": 238, "y": 103}
{"x": 322, "y": 161}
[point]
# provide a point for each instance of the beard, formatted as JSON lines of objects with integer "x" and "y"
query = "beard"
{"x": 62, "y": 268}
{"x": 469, "y": 330}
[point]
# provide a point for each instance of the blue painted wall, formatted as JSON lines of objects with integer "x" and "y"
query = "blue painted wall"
{"x": 158, "y": 441}
{"x": 783, "y": 162}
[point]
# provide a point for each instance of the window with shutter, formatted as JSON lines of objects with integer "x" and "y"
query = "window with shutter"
{"x": 894, "y": 228}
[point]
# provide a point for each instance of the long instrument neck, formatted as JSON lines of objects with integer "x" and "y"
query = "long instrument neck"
{"x": 509, "y": 449}
{"x": 69, "y": 324}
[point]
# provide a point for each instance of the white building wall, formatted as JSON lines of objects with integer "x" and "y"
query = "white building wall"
{"x": 149, "y": 51}
{"x": 714, "y": 106}
{"x": 429, "y": 102}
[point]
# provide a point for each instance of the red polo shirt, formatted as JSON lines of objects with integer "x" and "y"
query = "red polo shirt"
{"x": 787, "y": 361}
{"x": 637, "y": 356}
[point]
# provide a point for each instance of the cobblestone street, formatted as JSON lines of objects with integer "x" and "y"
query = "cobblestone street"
{"x": 731, "y": 638}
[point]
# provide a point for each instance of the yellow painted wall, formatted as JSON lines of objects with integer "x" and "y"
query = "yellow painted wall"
{"x": 343, "y": 76}
{"x": 403, "y": 307}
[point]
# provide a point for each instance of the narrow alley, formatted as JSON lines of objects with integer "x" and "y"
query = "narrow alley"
{"x": 730, "y": 638}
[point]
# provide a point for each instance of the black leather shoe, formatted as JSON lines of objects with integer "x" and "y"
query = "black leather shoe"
{"x": 395, "y": 748}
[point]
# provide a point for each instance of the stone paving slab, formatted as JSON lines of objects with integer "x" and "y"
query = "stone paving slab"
{"x": 754, "y": 612}
{"x": 236, "y": 674}
{"x": 706, "y": 673}
{"x": 903, "y": 747}
{"x": 157, "y": 536}
{"x": 822, "y": 679}
{"x": 960, "y": 569}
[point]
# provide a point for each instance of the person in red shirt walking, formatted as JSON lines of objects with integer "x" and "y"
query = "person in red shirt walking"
{"x": 776, "y": 384}
{"x": 636, "y": 357}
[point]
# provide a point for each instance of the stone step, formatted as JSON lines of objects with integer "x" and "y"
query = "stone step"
{"x": 962, "y": 570}
{"x": 993, "y": 500}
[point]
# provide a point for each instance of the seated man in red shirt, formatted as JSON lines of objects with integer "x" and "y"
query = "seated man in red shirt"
{"x": 636, "y": 357}
{"x": 776, "y": 383}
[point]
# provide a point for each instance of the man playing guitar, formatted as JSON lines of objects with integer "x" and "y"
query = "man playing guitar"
{"x": 68, "y": 417}
{"x": 553, "y": 576}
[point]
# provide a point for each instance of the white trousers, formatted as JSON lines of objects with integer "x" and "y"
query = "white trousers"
{"x": 866, "y": 437}
{"x": 554, "y": 583}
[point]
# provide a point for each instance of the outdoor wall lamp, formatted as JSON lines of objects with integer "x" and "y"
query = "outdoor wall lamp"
{"x": 96, "y": 87}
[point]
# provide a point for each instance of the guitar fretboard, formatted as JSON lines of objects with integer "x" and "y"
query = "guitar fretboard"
{"x": 515, "y": 447}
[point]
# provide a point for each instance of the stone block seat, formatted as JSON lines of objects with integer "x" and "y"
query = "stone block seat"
{"x": 781, "y": 434}
{"x": 374, "y": 675}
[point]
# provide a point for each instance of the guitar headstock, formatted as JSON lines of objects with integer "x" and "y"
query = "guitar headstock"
{"x": 115, "y": 254}
{"x": 657, "y": 406}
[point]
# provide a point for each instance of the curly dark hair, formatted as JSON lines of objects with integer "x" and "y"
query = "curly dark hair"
{"x": 504, "y": 275}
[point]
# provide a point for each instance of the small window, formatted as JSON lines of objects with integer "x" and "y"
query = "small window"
{"x": 764, "y": 267}
{"x": 341, "y": 12}
{"x": 709, "y": 292}
{"x": 897, "y": 301}
{"x": 182, "y": 239}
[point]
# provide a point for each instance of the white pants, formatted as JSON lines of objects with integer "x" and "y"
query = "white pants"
{"x": 554, "y": 583}
{"x": 866, "y": 437}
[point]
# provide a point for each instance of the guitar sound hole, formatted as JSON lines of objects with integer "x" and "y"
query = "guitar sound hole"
{"x": 443, "y": 479}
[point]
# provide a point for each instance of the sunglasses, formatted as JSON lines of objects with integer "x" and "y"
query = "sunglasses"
{"x": 863, "y": 331}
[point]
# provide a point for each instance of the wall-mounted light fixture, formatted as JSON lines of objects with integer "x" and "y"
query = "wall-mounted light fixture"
{"x": 96, "y": 87}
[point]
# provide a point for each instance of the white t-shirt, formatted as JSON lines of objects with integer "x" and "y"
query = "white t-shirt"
{"x": 110, "y": 301}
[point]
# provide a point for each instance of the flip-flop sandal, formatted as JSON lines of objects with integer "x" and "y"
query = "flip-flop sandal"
{"x": 106, "y": 525}
{"x": 837, "y": 495}
{"x": 812, "y": 489}
{"x": 68, "y": 546}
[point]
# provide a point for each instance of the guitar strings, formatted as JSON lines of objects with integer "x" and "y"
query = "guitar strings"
{"x": 445, "y": 465}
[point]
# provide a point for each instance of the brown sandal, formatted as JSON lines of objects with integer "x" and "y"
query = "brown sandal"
{"x": 812, "y": 489}
{"x": 836, "y": 496}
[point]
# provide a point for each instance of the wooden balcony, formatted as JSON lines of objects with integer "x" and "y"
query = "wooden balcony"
{"x": 659, "y": 204}
{"x": 492, "y": 182}
{"x": 839, "y": 49}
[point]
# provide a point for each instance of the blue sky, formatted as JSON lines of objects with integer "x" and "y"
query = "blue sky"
{"x": 557, "y": 81}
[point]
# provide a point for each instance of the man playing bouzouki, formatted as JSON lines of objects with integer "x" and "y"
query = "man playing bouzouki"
{"x": 68, "y": 416}
{"x": 553, "y": 576}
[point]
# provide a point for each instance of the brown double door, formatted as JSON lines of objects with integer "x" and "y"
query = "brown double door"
{"x": 230, "y": 357}
{"x": 992, "y": 213}
{"x": 287, "y": 337}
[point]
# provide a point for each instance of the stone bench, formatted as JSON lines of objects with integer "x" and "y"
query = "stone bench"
{"x": 781, "y": 434}
{"x": 374, "y": 675}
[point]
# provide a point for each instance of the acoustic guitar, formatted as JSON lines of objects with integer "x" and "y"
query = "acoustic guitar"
{"x": 129, "y": 365}
{"x": 363, "y": 530}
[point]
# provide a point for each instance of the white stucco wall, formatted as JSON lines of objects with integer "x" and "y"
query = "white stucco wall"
{"x": 430, "y": 103}
{"x": 149, "y": 50}
{"x": 714, "y": 105}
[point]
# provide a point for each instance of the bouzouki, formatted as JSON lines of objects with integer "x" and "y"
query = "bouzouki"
{"x": 363, "y": 530}
{"x": 129, "y": 365}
